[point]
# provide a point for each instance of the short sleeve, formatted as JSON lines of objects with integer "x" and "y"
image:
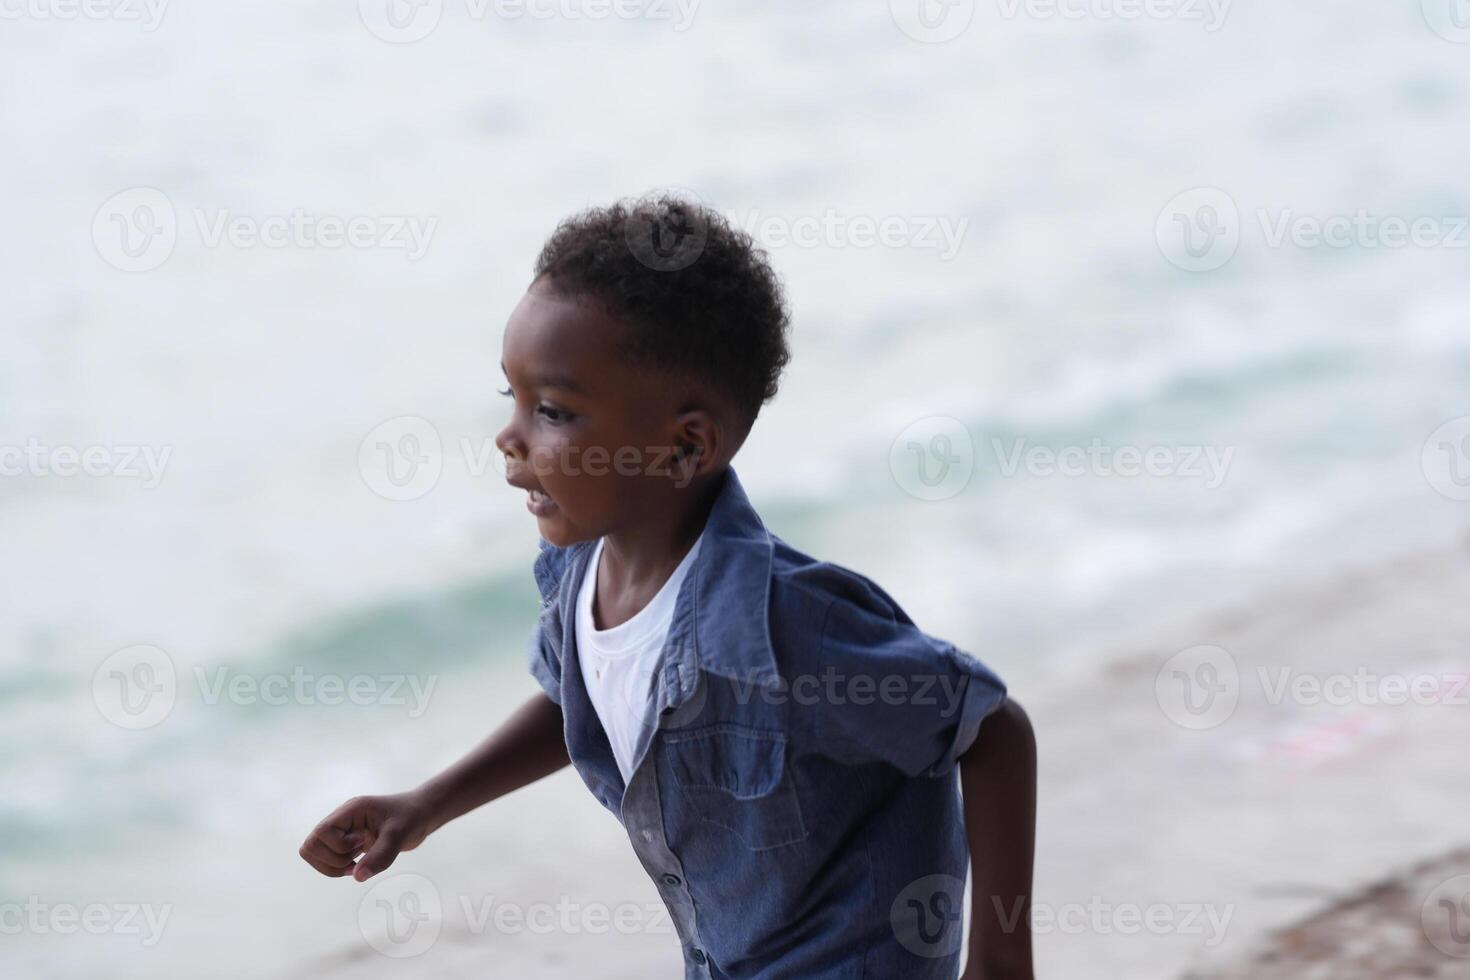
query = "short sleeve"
{"x": 892, "y": 693}
{"x": 544, "y": 664}
{"x": 541, "y": 654}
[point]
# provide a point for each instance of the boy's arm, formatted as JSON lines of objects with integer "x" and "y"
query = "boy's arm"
{"x": 529, "y": 745}
{"x": 998, "y": 780}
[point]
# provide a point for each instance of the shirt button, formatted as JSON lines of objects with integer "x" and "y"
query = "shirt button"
{"x": 672, "y": 880}
{"x": 697, "y": 955}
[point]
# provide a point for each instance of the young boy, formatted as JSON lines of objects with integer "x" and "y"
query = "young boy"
{"x": 785, "y": 748}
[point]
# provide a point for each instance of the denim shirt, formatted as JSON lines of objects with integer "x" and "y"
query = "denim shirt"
{"x": 795, "y": 796}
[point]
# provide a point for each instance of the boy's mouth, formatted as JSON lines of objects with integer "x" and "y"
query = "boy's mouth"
{"x": 539, "y": 503}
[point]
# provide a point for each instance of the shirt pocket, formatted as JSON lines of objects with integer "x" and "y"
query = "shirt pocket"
{"x": 736, "y": 777}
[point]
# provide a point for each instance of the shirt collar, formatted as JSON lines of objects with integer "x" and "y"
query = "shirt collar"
{"x": 730, "y": 598}
{"x": 722, "y": 614}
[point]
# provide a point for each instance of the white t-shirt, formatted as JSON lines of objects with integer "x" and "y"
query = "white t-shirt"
{"x": 619, "y": 663}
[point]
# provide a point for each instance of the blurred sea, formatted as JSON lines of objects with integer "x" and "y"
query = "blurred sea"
{"x": 1059, "y": 321}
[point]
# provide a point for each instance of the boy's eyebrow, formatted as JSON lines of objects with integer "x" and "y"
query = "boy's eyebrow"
{"x": 563, "y": 381}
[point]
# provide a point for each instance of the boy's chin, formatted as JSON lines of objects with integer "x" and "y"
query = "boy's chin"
{"x": 556, "y": 532}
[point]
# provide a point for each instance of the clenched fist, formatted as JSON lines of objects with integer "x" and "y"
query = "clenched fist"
{"x": 377, "y": 827}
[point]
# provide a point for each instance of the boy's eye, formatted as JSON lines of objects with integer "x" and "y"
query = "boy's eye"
{"x": 554, "y": 415}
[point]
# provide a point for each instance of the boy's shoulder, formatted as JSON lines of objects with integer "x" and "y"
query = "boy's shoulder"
{"x": 826, "y": 583}
{"x": 823, "y": 613}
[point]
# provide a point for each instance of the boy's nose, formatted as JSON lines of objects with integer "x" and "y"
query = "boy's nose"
{"x": 508, "y": 443}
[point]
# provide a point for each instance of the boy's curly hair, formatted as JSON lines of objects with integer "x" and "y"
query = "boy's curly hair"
{"x": 698, "y": 293}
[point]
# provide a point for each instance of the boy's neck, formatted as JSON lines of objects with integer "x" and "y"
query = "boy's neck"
{"x": 640, "y": 559}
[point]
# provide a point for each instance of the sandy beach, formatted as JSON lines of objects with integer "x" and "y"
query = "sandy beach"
{"x": 1281, "y": 810}
{"x": 1396, "y": 927}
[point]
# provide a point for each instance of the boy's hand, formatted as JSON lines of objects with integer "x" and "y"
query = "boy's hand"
{"x": 380, "y": 826}
{"x": 526, "y": 747}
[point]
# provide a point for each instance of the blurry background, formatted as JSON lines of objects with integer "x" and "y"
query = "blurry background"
{"x": 259, "y": 556}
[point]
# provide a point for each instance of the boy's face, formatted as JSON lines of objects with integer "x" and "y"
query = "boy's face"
{"x": 589, "y": 435}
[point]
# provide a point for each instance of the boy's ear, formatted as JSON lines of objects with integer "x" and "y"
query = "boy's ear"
{"x": 698, "y": 440}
